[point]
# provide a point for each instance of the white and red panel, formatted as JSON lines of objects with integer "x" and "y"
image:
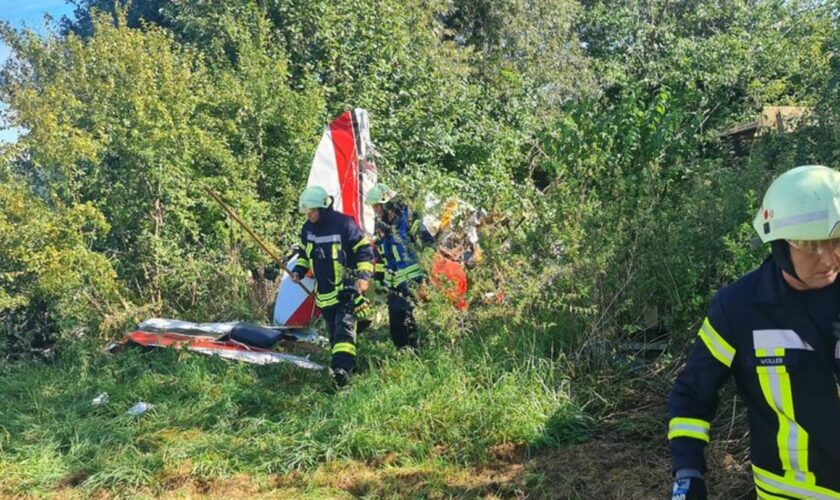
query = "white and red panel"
{"x": 293, "y": 306}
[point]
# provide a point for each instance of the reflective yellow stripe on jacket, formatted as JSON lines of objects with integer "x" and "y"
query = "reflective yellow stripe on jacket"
{"x": 689, "y": 427}
{"x": 718, "y": 347}
{"x": 792, "y": 439}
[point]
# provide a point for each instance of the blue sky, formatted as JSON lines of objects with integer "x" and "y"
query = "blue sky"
{"x": 29, "y": 14}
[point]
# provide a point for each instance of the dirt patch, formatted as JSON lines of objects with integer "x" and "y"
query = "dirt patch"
{"x": 508, "y": 452}
{"x": 239, "y": 486}
{"x": 607, "y": 467}
{"x": 613, "y": 469}
{"x": 495, "y": 480}
{"x": 72, "y": 480}
{"x": 293, "y": 480}
{"x": 600, "y": 469}
{"x": 185, "y": 486}
{"x": 355, "y": 478}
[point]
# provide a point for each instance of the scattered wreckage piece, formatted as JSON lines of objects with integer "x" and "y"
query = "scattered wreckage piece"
{"x": 228, "y": 349}
{"x": 304, "y": 339}
{"x": 234, "y": 340}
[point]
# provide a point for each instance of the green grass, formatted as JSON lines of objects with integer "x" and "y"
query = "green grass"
{"x": 217, "y": 419}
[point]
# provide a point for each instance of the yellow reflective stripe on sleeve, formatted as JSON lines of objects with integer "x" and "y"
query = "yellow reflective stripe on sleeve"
{"x": 362, "y": 242}
{"x": 344, "y": 347}
{"x": 364, "y": 267}
{"x": 309, "y": 250}
{"x": 337, "y": 269}
{"x": 379, "y": 267}
{"x": 322, "y": 303}
{"x": 689, "y": 427}
{"x": 328, "y": 295}
{"x": 399, "y": 281}
{"x": 396, "y": 253}
{"x": 792, "y": 439}
{"x": 326, "y": 299}
{"x": 717, "y": 346}
{"x": 302, "y": 263}
{"x": 779, "y": 485}
{"x": 410, "y": 272}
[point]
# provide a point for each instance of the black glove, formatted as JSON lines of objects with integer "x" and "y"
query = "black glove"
{"x": 689, "y": 488}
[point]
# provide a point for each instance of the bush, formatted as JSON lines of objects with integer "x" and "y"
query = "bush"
{"x": 53, "y": 284}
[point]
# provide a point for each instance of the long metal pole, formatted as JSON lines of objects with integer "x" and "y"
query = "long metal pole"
{"x": 253, "y": 235}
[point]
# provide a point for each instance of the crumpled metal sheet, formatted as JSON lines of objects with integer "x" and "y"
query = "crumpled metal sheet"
{"x": 225, "y": 349}
{"x": 261, "y": 357}
{"x": 178, "y": 326}
{"x": 308, "y": 335}
{"x": 218, "y": 330}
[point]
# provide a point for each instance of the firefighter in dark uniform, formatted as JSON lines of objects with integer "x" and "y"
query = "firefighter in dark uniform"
{"x": 773, "y": 332}
{"x": 398, "y": 229}
{"x": 340, "y": 257}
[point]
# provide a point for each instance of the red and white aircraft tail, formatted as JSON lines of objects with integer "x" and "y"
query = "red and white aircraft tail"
{"x": 343, "y": 165}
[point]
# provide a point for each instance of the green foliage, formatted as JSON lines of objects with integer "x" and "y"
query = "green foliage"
{"x": 51, "y": 281}
{"x": 527, "y": 43}
{"x": 135, "y": 125}
{"x": 589, "y": 130}
{"x": 651, "y": 208}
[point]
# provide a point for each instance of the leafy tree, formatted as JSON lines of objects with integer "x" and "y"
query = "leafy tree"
{"x": 51, "y": 281}
{"x": 132, "y": 123}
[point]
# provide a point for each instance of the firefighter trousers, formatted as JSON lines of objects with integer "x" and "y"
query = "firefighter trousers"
{"x": 341, "y": 327}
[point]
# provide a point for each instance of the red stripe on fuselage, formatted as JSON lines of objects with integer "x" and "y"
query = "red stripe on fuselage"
{"x": 347, "y": 162}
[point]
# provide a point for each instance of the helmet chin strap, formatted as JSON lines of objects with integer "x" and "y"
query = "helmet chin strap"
{"x": 781, "y": 254}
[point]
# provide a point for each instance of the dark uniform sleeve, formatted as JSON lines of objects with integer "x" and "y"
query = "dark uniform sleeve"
{"x": 303, "y": 265}
{"x": 360, "y": 248}
{"x": 694, "y": 398}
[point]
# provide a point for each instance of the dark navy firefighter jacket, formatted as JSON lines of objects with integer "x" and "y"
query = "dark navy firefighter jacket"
{"x": 337, "y": 253}
{"x": 777, "y": 344}
{"x": 396, "y": 260}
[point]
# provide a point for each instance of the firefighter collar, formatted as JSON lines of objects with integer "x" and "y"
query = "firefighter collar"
{"x": 770, "y": 287}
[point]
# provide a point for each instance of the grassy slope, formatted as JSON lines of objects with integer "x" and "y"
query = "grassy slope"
{"x": 440, "y": 417}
